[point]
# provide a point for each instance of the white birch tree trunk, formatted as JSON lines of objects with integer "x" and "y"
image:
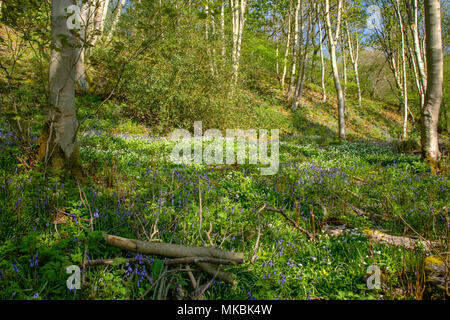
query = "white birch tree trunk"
{"x": 116, "y": 19}
{"x": 301, "y": 78}
{"x": 417, "y": 48}
{"x": 332, "y": 42}
{"x": 405, "y": 80}
{"x": 354, "y": 57}
{"x": 286, "y": 52}
{"x": 435, "y": 72}
{"x": 80, "y": 69}
{"x": 238, "y": 9}
{"x": 222, "y": 29}
{"x": 324, "y": 91}
{"x": 58, "y": 142}
{"x": 101, "y": 10}
{"x": 295, "y": 47}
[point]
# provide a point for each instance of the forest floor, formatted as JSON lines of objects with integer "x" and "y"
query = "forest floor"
{"x": 133, "y": 190}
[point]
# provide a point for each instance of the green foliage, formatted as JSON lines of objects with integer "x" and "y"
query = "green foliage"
{"x": 157, "y": 75}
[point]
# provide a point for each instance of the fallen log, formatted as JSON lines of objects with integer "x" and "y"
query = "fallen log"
{"x": 203, "y": 257}
{"x": 381, "y": 237}
{"x": 398, "y": 241}
{"x": 171, "y": 250}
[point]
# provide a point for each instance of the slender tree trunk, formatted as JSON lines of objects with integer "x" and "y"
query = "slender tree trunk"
{"x": 104, "y": 15}
{"x": 116, "y": 18}
{"x": 242, "y": 19}
{"x": 213, "y": 33}
{"x": 324, "y": 91}
{"x": 80, "y": 69}
{"x": 277, "y": 53}
{"x": 332, "y": 40}
{"x": 354, "y": 57}
{"x": 405, "y": 80}
{"x": 207, "y": 22}
{"x": 92, "y": 14}
{"x": 222, "y": 29}
{"x": 238, "y": 9}
{"x": 101, "y": 9}
{"x": 295, "y": 47}
{"x": 344, "y": 66}
{"x": 58, "y": 142}
{"x": 286, "y": 52}
{"x": 435, "y": 72}
{"x": 277, "y": 57}
{"x": 417, "y": 78}
{"x": 417, "y": 49}
{"x": 235, "y": 29}
{"x": 301, "y": 77}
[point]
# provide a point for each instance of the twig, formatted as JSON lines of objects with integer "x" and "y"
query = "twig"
{"x": 86, "y": 205}
{"x": 198, "y": 259}
{"x": 102, "y": 262}
{"x": 211, "y": 269}
{"x": 191, "y": 277}
{"x": 158, "y": 279}
{"x": 198, "y": 293}
{"x": 200, "y": 209}
{"x": 208, "y": 234}
{"x": 259, "y": 235}
{"x": 294, "y": 224}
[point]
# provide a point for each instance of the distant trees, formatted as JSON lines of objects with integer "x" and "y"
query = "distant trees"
{"x": 292, "y": 34}
{"x": 238, "y": 10}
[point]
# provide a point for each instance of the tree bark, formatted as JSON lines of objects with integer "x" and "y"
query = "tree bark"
{"x": 332, "y": 40}
{"x": 414, "y": 26}
{"x": 115, "y": 19}
{"x": 435, "y": 71}
{"x": 354, "y": 57}
{"x": 238, "y": 9}
{"x": 222, "y": 29}
{"x": 301, "y": 77}
{"x": 101, "y": 10}
{"x": 324, "y": 91}
{"x": 295, "y": 47}
{"x": 58, "y": 142}
{"x": 405, "y": 80}
{"x": 286, "y": 53}
{"x": 171, "y": 250}
{"x": 80, "y": 70}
